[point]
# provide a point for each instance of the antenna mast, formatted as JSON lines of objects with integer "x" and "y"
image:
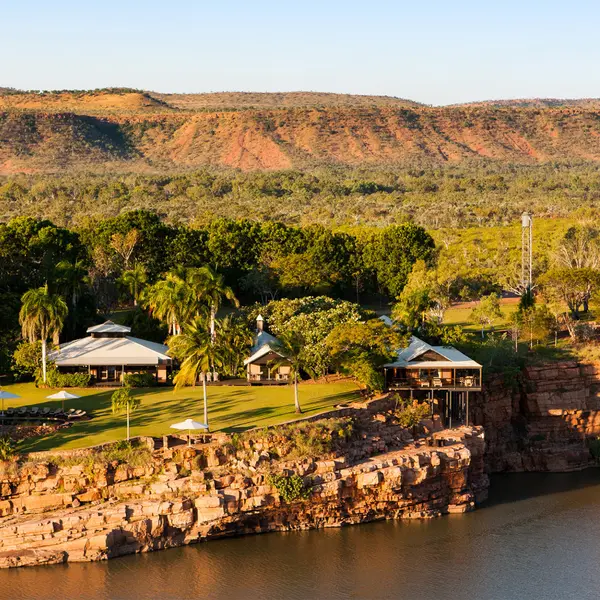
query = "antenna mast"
{"x": 526, "y": 251}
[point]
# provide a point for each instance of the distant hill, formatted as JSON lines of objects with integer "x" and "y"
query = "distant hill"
{"x": 245, "y": 100}
{"x": 120, "y": 130}
{"x": 538, "y": 103}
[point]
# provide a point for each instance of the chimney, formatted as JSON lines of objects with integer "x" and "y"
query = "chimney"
{"x": 259, "y": 324}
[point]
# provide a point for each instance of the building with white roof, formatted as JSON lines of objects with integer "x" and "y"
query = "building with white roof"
{"x": 423, "y": 366}
{"x": 442, "y": 375}
{"x": 266, "y": 363}
{"x": 109, "y": 352}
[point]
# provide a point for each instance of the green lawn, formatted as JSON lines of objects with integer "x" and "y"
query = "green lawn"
{"x": 229, "y": 409}
{"x": 462, "y": 316}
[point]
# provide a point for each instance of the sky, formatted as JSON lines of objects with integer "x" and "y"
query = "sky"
{"x": 432, "y": 51}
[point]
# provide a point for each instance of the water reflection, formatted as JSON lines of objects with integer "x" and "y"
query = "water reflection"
{"x": 537, "y": 538}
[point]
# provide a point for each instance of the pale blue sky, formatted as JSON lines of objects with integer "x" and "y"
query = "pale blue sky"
{"x": 432, "y": 51}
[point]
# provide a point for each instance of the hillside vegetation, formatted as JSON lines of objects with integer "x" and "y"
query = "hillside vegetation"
{"x": 133, "y": 131}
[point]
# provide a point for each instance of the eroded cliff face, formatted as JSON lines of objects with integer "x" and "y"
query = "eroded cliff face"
{"x": 542, "y": 422}
{"x": 190, "y": 494}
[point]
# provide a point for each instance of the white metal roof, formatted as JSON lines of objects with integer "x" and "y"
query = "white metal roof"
{"x": 94, "y": 351}
{"x": 417, "y": 347}
{"x": 262, "y": 338}
{"x": 262, "y": 351}
{"x": 108, "y": 327}
{"x": 263, "y": 344}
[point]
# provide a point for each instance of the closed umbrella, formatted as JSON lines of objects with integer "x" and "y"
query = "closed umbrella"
{"x": 190, "y": 425}
{"x": 62, "y": 395}
{"x": 7, "y": 396}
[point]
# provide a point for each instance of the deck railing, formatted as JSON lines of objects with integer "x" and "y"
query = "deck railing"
{"x": 436, "y": 382}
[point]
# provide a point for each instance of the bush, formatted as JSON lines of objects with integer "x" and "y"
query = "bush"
{"x": 410, "y": 415}
{"x": 55, "y": 379}
{"x": 139, "y": 380}
{"x": 594, "y": 446}
{"x": 289, "y": 487}
{"x": 7, "y": 449}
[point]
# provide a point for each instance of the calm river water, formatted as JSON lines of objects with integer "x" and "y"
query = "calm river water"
{"x": 538, "y": 537}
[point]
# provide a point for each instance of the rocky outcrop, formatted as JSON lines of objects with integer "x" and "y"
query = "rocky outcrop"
{"x": 171, "y": 509}
{"x": 543, "y": 421}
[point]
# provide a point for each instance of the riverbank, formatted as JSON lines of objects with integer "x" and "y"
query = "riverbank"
{"x": 535, "y": 538}
{"x": 66, "y": 510}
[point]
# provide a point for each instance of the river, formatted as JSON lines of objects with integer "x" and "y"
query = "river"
{"x": 538, "y": 537}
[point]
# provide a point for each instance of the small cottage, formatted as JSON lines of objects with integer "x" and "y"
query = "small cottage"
{"x": 265, "y": 364}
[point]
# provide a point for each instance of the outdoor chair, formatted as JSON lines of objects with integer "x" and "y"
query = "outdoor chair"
{"x": 45, "y": 411}
{"x": 35, "y": 410}
{"x": 424, "y": 382}
{"x": 468, "y": 382}
{"x": 22, "y": 411}
{"x": 437, "y": 382}
{"x": 208, "y": 377}
{"x": 215, "y": 376}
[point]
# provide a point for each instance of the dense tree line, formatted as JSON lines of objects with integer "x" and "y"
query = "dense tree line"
{"x": 455, "y": 196}
{"x": 104, "y": 264}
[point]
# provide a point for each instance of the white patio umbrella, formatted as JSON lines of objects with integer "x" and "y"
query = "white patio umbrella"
{"x": 7, "y": 396}
{"x": 189, "y": 424}
{"x": 63, "y": 395}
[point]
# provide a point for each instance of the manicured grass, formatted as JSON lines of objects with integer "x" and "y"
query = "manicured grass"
{"x": 229, "y": 409}
{"x": 458, "y": 315}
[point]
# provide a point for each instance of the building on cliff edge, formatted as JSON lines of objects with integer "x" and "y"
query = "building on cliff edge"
{"x": 442, "y": 375}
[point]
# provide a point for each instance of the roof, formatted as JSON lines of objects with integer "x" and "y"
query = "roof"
{"x": 263, "y": 351}
{"x": 109, "y": 327}
{"x": 262, "y": 338}
{"x": 407, "y": 356}
{"x": 96, "y": 351}
{"x": 263, "y": 344}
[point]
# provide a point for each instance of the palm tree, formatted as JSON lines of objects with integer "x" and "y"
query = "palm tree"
{"x": 197, "y": 355}
{"x": 71, "y": 280}
{"x": 234, "y": 339}
{"x": 42, "y": 316}
{"x": 134, "y": 280}
{"x": 123, "y": 400}
{"x": 169, "y": 301}
{"x": 291, "y": 348}
{"x": 209, "y": 287}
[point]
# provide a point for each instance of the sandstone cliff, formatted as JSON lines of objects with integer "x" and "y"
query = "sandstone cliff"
{"x": 543, "y": 421}
{"x": 69, "y": 512}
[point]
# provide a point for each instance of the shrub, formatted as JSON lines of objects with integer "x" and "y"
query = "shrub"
{"x": 411, "y": 414}
{"x": 55, "y": 379}
{"x": 289, "y": 487}
{"x": 139, "y": 380}
{"x": 7, "y": 449}
{"x": 594, "y": 446}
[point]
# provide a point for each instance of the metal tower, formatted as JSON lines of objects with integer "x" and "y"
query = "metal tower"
{"x": 526, "y": 251}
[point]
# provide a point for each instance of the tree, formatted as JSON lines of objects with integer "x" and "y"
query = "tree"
{"x": 579, "y": 248}
{"x": 362, "y": 349}
{"x": 210, "y": 287}
{"x": 169, "y": 300}
{"x": 392, "y": 253}
{"x": 291, "y": 346}
{"x": 423, "y": 296}
{"x": 573, "y": 286}
{"x": 42, "y": 316}
{"x": 234, "y": 339}
{"x": 123, "y": 400}
{"x": 134, "y": 280}
{"x": 124, "y": 244}
{"x": 486, "y": 311}
{"x": 197, "y": 354}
